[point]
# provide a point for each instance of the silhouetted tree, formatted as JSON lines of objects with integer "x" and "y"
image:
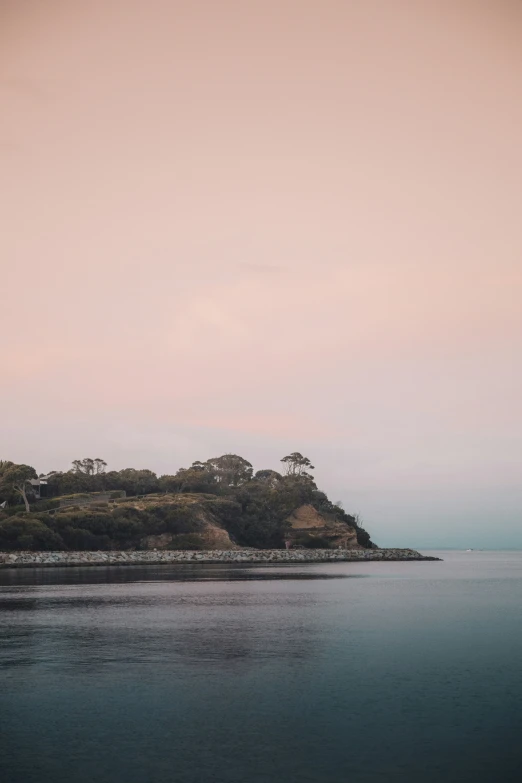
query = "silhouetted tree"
{"x": 297, "y": 465}
{"x": 270, "y": 477}
{"x": 14, "y": 478}
{"x": 229, "y": 470}
{"x": 89, "y": 466}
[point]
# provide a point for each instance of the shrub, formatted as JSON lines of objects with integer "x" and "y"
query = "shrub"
{"x": 314, "y": 542}
{"x": 363, "y": 538}
{"x": 173, "y": 518}
{"x": 83, "y": 540}
{"x": 117, "y": 530}
{"x": 46, "y": 504}
{"x": 28, "y": 533}
{"x": 187, "y": 541}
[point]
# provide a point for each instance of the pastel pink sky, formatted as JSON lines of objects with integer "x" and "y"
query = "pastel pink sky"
{"x": 270, "y": 226}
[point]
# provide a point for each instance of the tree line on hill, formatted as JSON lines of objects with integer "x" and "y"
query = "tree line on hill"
{"x": 252, "y": 506}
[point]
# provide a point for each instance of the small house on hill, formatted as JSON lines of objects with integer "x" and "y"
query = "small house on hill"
{"x": 39, "y": 486}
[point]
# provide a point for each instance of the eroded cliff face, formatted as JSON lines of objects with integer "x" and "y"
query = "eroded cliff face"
{"x": 203, "y": 531}
{"x": 209, "y": 537}
{"x": 306, "y": 522}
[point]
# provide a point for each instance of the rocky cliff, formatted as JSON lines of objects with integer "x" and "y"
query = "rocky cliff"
{"x": 309, "y": 528}
{"x": 208, "y": 537}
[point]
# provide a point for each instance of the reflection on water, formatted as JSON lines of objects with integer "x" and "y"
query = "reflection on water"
{"x": 285, "y": 673}
{"x": 153, "y": 621}
{"x": 161, "y": 573}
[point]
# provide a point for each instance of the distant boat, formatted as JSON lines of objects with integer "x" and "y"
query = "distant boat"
{"x": 469, "y": 550}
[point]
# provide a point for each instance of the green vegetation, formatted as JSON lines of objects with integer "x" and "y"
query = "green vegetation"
{"x": 14, "y": 480}
{"x": 90, "y": 508}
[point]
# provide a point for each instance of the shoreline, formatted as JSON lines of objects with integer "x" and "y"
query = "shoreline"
{"x": 204, "y": 557}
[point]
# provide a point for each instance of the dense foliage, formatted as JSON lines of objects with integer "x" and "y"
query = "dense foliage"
{"x": 90, "y": 508}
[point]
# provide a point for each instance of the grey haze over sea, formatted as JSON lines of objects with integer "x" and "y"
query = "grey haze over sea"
{"x": 361, "y": 672}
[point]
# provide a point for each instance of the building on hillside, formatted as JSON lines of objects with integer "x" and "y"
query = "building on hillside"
{"x": 39, "y": 486}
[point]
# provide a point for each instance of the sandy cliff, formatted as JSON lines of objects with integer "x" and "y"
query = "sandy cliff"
{"x": 306, "y": 523}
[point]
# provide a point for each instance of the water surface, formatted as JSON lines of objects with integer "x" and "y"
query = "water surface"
{"x": 317, "y": 673}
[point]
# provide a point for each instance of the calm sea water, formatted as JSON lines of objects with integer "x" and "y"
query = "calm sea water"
{"x": 320, "y": 673}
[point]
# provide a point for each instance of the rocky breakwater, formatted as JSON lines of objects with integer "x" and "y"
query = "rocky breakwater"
{"x": 157, "y": 557}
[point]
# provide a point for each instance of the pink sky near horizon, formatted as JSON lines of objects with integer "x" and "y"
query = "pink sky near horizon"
{"x": 266, "y": 226}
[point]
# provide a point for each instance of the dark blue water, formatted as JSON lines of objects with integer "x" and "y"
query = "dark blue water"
{"x": 321, "y": 674}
